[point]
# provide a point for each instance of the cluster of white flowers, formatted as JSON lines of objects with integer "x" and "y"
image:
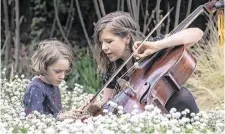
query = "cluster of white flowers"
{"x": 13, "y": 120}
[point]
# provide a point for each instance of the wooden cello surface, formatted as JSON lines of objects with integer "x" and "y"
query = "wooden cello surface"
{"x": 154, "y": 83}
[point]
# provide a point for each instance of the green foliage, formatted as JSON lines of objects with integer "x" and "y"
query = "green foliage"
{"x": 39, "y": 19}
{"x": 19, "y": 130}
{"x": 85, "y": 73}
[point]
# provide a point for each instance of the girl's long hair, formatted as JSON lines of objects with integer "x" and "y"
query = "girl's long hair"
{"x": 121, "y": 24}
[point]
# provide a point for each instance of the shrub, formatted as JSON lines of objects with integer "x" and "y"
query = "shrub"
{"x": 85, "y": 73}
{"x": 207, "y": 83}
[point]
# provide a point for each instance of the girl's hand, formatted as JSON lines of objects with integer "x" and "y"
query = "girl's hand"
{"x": 148, "y": 48}
{"x": 85, "y": 105}
{"x": 90, "y": 107}
{"x": 69, "y": 114}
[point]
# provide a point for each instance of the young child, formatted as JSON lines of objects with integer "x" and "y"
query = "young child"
{"x": 51, "y": 62}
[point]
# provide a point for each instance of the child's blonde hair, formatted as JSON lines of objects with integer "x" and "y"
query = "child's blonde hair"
{"x": 47, "y": 53}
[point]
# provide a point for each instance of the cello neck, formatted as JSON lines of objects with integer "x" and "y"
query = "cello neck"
{"x": 207, "y": 8}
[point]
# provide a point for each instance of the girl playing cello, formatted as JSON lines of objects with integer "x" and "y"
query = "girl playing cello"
{"x": 117, "y": 36}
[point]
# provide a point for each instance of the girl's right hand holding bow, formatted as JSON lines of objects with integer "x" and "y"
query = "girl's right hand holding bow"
{"x": 91, "y": 107}
{"x": 146, "y": 49}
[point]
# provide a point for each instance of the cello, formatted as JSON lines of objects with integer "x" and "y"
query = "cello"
{"x": 158, "y": 76}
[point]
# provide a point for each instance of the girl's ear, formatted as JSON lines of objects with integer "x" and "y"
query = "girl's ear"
{"x": 127, "y": 39}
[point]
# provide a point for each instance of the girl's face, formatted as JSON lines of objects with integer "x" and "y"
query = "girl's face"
{"x": 56, "y": 72}
{"x": 113, "y": 46}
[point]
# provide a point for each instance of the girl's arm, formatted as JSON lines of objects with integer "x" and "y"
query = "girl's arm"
{"x": 107, "y": 94}
{"x": 33, "y": 101}
{"x": 185, "y": 37}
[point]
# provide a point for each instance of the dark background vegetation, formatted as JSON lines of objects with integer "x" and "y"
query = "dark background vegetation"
{"x": 26, "y": 22}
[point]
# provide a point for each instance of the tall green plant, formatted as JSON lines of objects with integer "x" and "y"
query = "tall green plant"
{"x": 85, "y": 73}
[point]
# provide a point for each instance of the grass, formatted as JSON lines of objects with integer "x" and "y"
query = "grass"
{"x": 207, "y": 83}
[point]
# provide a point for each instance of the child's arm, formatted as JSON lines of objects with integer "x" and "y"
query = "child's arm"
{"x": 34, "y": 100}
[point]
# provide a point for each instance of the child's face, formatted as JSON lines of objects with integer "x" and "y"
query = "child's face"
{"x": 57, "y": 72}
{"x": 113, "y": 46}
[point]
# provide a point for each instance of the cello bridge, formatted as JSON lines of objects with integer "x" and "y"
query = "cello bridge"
{"x": 124, "y": 84}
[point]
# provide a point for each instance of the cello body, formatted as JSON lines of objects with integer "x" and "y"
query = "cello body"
{"x": 156, "y": 80}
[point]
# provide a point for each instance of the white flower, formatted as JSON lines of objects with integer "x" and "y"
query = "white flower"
{"x": 192, "y": 114}
{"x": 113, "y": 104}
{"x": 189, "y": 126}
{"x": 35, "y": 112}
{"x": 120, "y": 107}
{"x": 50, "y": 130}
{"x": 202, "y": 125}
{"x": 22, "y": 114}
{"x": 97, "y": 123}
{"x": 173, "y": 122}
{"x": 64, "y": 132}
{"x": 22, "y": 76}
{"x": 95, "y": 118}
{"x": 183, "y": 113}
{"x": 157, "y": 126}
{"x": 197, "y": 123}
{"x": 78, "y": 124}
{"x": 31, "y": 128}
{"x": 105, "y": 111}
{"x": 141, "y": 125}
{"x": 177, "y": 130}
{"x": 169, "y": 131}
{"x": 156, "y": 121}
{"x": 168, "y": 115}
{"x": 135, "y": 106}
{"x": 196, "y": 118}
{"x": 157, "y": 110}
{"x": 177, "y": 115}
{"x": 133, "y": 119}
{"x": 187, "y": 110}
{"x": 34, "y": 121}
{"x": 38, "y": 132}
{"x": 134, "y": 112}
{"x": 120, "y": 112}
{"x": 30, "y": 132}
{"x": 137, "y": 129}
{"x": 173, "y": 110}
{"x": 147, "y": 107}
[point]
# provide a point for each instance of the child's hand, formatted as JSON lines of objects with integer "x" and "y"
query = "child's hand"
{"x": 90, "y": 107}
{"x": 69, "y": 114}
{"x": 146, "y": 49}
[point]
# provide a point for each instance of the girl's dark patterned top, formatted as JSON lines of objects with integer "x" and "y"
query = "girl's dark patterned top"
{"x": 42, "y": 97}
{"x": 114, "y": 84}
